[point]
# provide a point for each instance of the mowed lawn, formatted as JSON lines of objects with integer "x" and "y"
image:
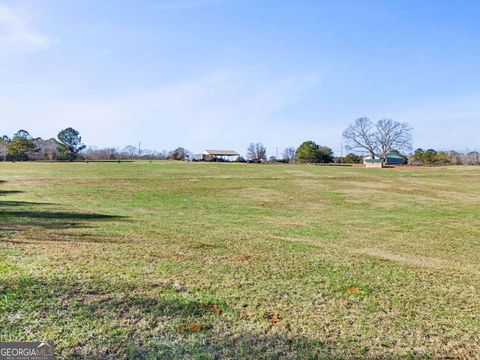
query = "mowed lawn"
{"x": 184, "y": 260}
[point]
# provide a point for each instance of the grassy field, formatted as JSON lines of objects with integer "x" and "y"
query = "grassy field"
{"x": 179, "y": 260}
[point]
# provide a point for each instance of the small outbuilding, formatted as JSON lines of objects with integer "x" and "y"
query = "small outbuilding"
{"x": 394, "y": 159}
{"x": 374, "y": 163}
{"x": 220, "y": 155}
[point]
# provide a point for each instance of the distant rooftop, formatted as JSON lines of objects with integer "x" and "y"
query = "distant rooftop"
{"x": 221, "y": 153}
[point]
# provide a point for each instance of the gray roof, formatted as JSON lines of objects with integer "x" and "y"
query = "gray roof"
{"x": 221, "y": 152}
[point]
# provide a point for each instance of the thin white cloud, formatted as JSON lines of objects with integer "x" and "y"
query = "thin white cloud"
{"x": 225, "y": 109}
{"x": 17, "y": 33}
{"x": 219, "y": 109}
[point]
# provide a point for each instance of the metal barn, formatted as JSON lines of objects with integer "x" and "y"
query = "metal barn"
{"x": 224, "y": 155}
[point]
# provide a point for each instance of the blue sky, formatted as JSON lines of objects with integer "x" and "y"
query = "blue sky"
{"x": 224, "y": 73}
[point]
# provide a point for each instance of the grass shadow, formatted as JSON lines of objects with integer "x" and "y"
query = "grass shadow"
{"x": 22, "y": 216}
{"x": 6, "y": 203}
{"x": 57, "y": 215}
{"x": 138, "y": 322}
{"x": 10, "y": 192}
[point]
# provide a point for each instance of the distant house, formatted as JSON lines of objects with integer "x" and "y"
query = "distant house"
{"x": 220, "y": 155}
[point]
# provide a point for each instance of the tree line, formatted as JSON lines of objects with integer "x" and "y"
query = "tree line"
{"x": 363, "y": 137}
{"x": 68, "y": 146}
{"x": 387, "y": 137}
{"x": 307, "y": 152}
{"x": 377, "y": 140}
{"x": 433, "y": 157}
{"x": 22, "y": 146}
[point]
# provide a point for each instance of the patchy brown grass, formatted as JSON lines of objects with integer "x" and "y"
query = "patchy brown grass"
{"x": 422, "y": 261}
{"x": 173, "y": 260}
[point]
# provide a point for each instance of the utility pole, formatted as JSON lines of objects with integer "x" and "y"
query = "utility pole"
{"x": 139, "y": 150}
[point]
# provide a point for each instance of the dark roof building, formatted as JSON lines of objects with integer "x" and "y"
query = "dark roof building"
{"x": 394, "y": 159}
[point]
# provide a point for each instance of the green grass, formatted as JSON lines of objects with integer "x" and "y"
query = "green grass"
{"x": 180, "y": 260}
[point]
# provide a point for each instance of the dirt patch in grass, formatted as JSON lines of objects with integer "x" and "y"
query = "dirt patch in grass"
{"x": 421, "y": 261}
{"x": 300, "y": 173}
{"x": 287, "y": 221}
{"x": 273, "y": 318}
{"x": 257, "y": 194}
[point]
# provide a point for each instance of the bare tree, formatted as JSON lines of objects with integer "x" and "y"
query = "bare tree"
{"x": 177, "y": 154}
{"x": 360, "y": 136}
{"x": 256, "y": 152}
{"x": 100, "y": 154}
{"x": 51, "y": 150}
{"x": 472, "y": 158}
{"x": 289, "y": 154}
{"x": 379, "y": 138}
{"x": 455, "y": 157}
{"x": 251, "y": 152}
{"x": 131, "y": 151}
{"x": 392, "y": 135}
{"x": 3, "y": 149}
